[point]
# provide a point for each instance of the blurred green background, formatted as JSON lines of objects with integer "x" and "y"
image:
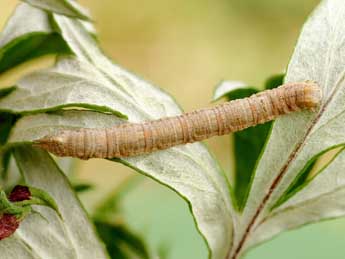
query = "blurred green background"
{"x": 187, "y": 47}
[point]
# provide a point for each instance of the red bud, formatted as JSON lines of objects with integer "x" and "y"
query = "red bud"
{"x": 8, "y": 225}
{"x": 20, "y": 193}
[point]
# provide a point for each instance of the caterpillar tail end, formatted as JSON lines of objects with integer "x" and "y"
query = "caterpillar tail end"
{"x": 51, "y": 144}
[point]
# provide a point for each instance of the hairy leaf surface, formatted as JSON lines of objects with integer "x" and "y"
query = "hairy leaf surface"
{"x": 25, "y": 39}
{"x": 45, "y": 234}
{"x": 321, "y": 198}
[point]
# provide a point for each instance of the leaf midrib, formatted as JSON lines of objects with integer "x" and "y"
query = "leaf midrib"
{"x": 302, "y": 203}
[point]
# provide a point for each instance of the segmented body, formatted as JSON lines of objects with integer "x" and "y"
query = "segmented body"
{"x": 130, "y": 139}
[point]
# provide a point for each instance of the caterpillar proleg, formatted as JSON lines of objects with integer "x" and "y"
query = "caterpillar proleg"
{"x": 130, "y": 139}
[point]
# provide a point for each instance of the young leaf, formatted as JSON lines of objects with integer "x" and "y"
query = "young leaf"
{"x": 203, "y": 187}
{"x": 298, "y": 139}
{"x": 25, "y": 39}
{"x": 45, "y": 234}
{"x": 65, "y": 7}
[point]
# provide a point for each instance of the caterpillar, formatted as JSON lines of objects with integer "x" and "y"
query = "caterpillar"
{"x": 131, "y": 139}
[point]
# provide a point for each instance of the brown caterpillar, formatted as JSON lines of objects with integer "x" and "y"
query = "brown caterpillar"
{"x": 130, "y": 139}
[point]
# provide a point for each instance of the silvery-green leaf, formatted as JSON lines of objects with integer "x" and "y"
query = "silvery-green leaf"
{"x": 298, "y": 138}
{"x": 321, "y": 198}
{"x": 149, "y": 101}
{"x": 24, "y": 39}
{"x": 45, "y": 234}
{"x": 65, "y": 7}
{"x": 189, "y": 170}
{"x": 17, "y": 27}
{"x": 71, "y": 83}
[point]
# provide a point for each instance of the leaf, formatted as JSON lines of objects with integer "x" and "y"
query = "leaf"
{"x": 25, "y": 39}
{"x": 321, "y": 198}
{"x": 120, "y": 242}
{"x": 248, "y": 144}
{"x": 65, "y": 7}
{"x": 7, "y": 120}
{"x": 274, "y": 81}
{"x": 47, "y": 236}
{"x": 203, "y": 186}
{"x": 6, "y": 91}
{"x": 82, "y": 187}
{"x": 298, "y": 139}
{"x": 71, "y": 84}
{"x": 6, "y": 123}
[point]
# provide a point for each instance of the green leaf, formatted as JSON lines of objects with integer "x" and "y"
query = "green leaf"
{"x": 7, "y": 121}
{"x": 65, "y": 7}
{"x": 6, "y": 91}
{"x": 45, "y": 234}
{"x": 248, "y": 144}
{"x": 297, "y": 139}
{"x": 82, "y": 187}
{"x": 25, "y": 39}
{"x": 202, "y": 186}
{"x": 274, "y": 81}
{"x": 120, "y": 242}
{"x": 41, "y": 197}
